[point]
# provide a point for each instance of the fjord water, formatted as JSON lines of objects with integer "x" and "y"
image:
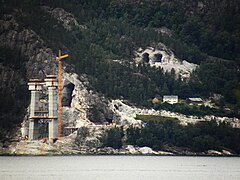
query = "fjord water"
{"x": 119, "y": 168}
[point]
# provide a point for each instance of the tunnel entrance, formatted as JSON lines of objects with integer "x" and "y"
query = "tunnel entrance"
{"x": 67, "y": 94}
{"x": 158, "y": 57}
{"x": 145, "y": 57}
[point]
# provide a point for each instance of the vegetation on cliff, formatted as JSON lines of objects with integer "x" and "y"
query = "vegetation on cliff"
{"x": 113, "y": 30}
{"x": 13, "y": 90}
{"x": 160, "y": 133}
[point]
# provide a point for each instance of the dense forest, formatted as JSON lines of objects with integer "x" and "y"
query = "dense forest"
{"x": 163, "y": 133}
{"x": 13, "y": 90}
{"x": 207, "y": 35}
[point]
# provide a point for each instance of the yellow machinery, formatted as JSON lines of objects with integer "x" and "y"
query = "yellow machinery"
{"x": 59, "y": 59}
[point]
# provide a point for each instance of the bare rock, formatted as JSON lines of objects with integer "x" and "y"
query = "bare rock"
{"x": 163, "y": 57}
{"x": 67, "y": 19}
{"x": 29, "y": 44}
{"x": 214, "y": 152}
{"x": 146, "y": 150}
{"x": 228, "y": 153}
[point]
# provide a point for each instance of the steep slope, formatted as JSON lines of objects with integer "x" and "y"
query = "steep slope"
{"x": 102, "y": 40}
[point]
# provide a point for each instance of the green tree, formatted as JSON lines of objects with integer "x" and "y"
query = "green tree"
{"x": 114, "y": 138}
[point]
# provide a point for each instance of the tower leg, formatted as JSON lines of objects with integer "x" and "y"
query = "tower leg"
{"x": 33, "y": 129}
{"x": 53, "y": 129}
{"x": 52, "y": 112}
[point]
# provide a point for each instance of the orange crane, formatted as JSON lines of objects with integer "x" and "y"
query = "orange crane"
{"x": 59, "y": 60}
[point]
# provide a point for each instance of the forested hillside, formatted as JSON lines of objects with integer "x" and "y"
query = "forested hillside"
{"x": 201, "y": 32}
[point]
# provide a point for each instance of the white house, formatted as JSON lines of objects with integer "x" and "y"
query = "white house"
{"x": 170, "y": 99}
{"x": 195, "y": 101}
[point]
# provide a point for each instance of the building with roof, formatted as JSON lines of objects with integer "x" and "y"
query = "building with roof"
{"x": 170, "y": 99}
{"x": 194, "y": 101}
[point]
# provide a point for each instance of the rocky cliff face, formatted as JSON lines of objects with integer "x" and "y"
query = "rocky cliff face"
{"x": 67, "y": 19}
{"x": 78, "y": 99}
{"x": 39, "y": 56}
{"x": 163, "y": 57}
{"x": 35, "y": 60}
{"x": 82, "y": 100}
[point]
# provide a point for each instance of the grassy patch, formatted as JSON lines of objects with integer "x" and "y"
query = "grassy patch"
{"x": 149, "y": 118}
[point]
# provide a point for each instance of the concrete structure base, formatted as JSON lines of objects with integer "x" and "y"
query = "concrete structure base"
{"x": 53, "y": 129}
{"x": 33, "y": 129}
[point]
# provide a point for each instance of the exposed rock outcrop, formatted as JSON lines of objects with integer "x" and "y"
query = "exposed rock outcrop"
{"x": 90, "y": 136}
{"x": 126, "y": 115}
{"x": 83, "y": 100}
{"x": 67, "y": 19}
{"x": 69, "y": 146}
{"x": 163, "y": 57}
{"x": 29, "y": 44}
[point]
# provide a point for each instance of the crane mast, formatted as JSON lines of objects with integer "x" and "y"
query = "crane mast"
{"x": 59, "y": 59}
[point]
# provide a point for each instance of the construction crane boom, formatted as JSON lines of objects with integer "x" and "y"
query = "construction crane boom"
{"x": 59, "y": 59}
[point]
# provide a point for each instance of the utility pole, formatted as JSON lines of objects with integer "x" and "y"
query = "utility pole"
{"x": 59, "y": 60}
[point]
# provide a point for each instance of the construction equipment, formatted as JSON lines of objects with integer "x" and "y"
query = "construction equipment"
{"x": 59, "y": 59}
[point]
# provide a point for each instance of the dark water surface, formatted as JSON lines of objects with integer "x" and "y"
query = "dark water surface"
{"x": 120, "y": 168}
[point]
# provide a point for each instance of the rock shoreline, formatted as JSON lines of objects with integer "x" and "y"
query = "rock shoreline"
{"x": 40, "y": 148}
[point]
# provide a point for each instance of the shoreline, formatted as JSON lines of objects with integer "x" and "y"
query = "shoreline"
{"x": 119, "y": 153}
{"x": 175, "y": 155}
{"x": 67, "y": 147}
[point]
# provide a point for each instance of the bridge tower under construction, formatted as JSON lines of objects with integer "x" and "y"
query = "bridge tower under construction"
{"x": 47, "y": 111}
{"x": 43, "y": 107}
